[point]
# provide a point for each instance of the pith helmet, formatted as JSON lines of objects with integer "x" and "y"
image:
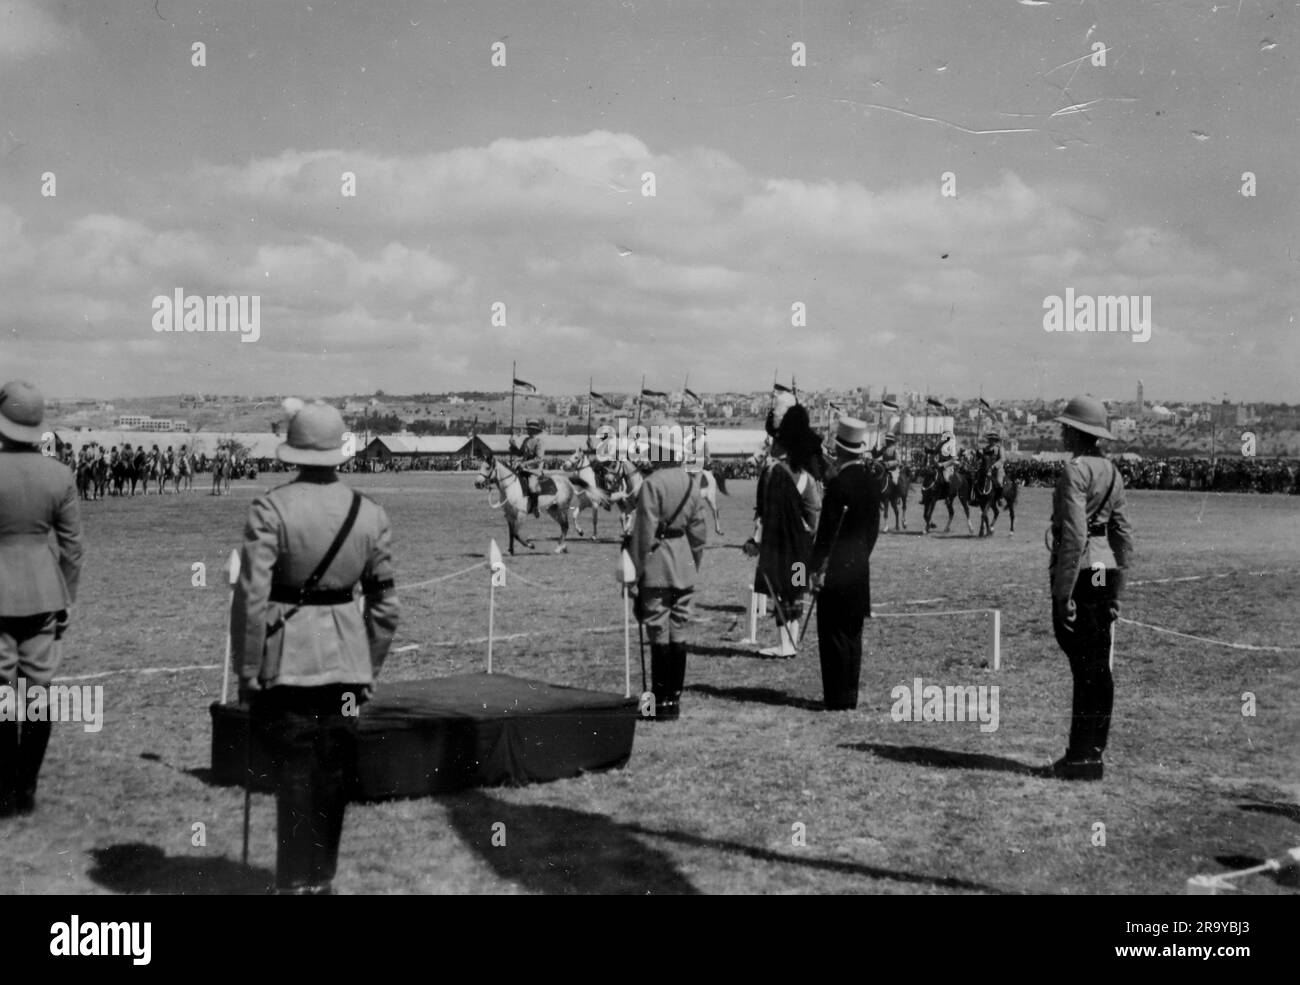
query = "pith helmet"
{"x": 1086, "y": 414}
{"x": 315, "y": 435}
{"x": 22, "y": 408}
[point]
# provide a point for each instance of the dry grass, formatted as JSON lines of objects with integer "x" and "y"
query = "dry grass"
{"x": 709, "y": 805}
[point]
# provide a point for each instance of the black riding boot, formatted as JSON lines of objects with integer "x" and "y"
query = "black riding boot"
{"x": 32, "y": 743}
{"x": 677, "y": 680}
{"x": 8, "y": 767}
{"x": 661, "y": 678}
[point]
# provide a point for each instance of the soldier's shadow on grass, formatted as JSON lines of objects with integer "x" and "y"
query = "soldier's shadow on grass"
{"x": 821, "y": 864}
{"x": 556, "y": 850}
{"x": 698, "y": 650}
{"x": 945, "y": 758}
{"x": 756, "y": 695}
{"x": 134, "y": 867}
{"x": 1289, "y": 811}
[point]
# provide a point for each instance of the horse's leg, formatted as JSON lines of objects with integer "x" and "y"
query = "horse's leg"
{"x": 577, "y": 519}
{"x": 560, "y": 516}
{"x": 948, "y": 503}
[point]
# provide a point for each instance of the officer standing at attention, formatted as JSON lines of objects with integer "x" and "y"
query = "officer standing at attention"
{"x": 530, "y": 452}
{"x": 37, "y": 583}
{"x": 1088, "y": 504}
{"x": 840, "y": 563}
{"x": 666, "y": 546}
{"x": 306, "y": 656}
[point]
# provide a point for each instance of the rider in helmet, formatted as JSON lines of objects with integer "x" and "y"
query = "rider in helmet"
{"x": 888, "y": 456}
{"x": 993, "y": 462}
{"x": 944, "y": 455}
{"x": 530, "y": 468}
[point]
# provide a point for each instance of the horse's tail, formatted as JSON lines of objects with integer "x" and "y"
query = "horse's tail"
{"x": 721, "y": 482}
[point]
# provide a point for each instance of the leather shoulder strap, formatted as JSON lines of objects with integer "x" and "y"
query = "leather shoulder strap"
{"x": 348, "y": 523}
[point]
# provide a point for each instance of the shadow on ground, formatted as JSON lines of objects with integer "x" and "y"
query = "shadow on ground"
{"x": 1289, "y": 811}
{"x": 135, "y": 867}
{"x": 556, "y": 850}
{"x": 946, "y": 758}
{"x": 757, "y": 695}
{"x": 820, "y": 864}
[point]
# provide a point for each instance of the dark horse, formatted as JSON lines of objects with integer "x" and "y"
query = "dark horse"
{"x": 986, "y": 494}
{"x": 894, "y": 493}
{"x": 92, "y": 478}
{"x": 934, "y": 488}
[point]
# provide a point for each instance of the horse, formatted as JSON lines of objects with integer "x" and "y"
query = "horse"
{"x": 934, "y": 488}
{"x": 92, "y": 478}
{"x": 985, "y": 494}
{"x": 186, "y": 467}
{"x": 893, "y": 492}
{"x": 626, "y": 480}
{"x": 220, "y": 475}
{"x": 590, "y": 493}
{"x": 174, "y": 469}
{"x": 557, "y": 501}
{"x": 154, "y": 472}
{"x": 710, "y": 486}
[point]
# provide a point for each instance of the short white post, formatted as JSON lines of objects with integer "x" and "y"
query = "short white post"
{"x": 995, "y": 640}
{"x": 498, "y": 568}
{"x": 234, "y": 577}
{"x": 1112, "y": 646}
{"x": 754, "y": 598}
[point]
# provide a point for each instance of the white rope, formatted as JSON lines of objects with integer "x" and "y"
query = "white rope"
{"x": 1206, "y": 639}
{"x": 138, "y": 670}
{"x": 920, "y": 615}
{"x": 434, "y": 581}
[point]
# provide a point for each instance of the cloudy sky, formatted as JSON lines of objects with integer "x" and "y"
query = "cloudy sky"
{"x": 775, "y": 184}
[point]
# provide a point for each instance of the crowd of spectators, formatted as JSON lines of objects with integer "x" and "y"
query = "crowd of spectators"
{"x": 1262, "y": 475}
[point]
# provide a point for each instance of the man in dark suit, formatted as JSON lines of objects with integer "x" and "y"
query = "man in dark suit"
{"x": 38, "y": 584}
{"x": 840, "y": 563}
{"x": 306, "y": 655}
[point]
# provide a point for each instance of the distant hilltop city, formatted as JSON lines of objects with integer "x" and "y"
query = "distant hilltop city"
{"x": 1141, "y": 425}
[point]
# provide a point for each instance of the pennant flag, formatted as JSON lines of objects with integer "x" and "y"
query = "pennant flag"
{"x": 985, "y": 404}
{"x": 933, "y": 402}
{"x": 693, "y": 395}
{"x": 626, "y": 569}
{"x": 494, "y": 557}
{"x": 598, "y": 396}
{"x": 834, "y": 406}
{"x": 781, "y": 389}
{"x": 889, "y": 405}
{"x": 525, "y": 385}
{"x": 653, "y": 393}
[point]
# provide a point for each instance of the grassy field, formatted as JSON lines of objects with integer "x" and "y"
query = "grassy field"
{"x": 711, "y": 804}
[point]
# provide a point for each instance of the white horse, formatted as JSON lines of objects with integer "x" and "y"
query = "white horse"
{"x": 514, "y": 500}
{"x": 589, "y": 492}
{"x": 710, "y": 486}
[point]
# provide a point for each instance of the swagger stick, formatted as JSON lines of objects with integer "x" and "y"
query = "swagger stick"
{"x": 829, "y": 551}
{"x": 780, "y": 609}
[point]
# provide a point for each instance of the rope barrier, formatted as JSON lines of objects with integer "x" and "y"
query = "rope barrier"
{"x": 1206, "y": 639}
{"x": 434, "y": 581}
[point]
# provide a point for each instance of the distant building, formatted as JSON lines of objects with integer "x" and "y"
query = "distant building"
{"x": 1226, "y": 415}
{"x": 141, "y": 422}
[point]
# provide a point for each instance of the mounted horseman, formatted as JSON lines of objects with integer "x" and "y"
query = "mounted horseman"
{"x": 991, "y": 487}
{"x": 529, "y": 469}
{"x": 942, "y": 480}
{"x": 897, "y": 481}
